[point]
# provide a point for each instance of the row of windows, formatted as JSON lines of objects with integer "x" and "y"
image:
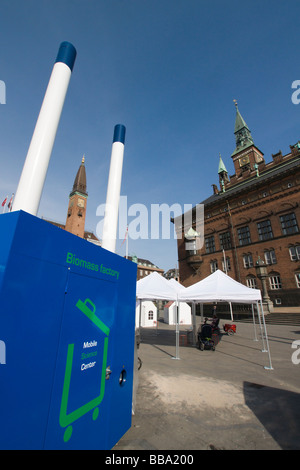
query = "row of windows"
{"x": 143, "y": 273}
{"x": 274, "y": 280}
{"x": 288, "y": 223}
{"x": 226, "y": 265}
{"x": 270, "y": 258}
{"x": 269, "y": 255}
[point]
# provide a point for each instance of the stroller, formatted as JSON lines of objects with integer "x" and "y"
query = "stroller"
{"x": 205, "y": 338}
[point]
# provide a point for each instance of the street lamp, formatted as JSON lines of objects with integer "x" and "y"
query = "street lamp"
{"x": 262, "y": 274}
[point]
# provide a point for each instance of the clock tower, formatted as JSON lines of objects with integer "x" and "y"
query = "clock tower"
{"x": 77, "y": 204}
{"x": 246, "y": 157}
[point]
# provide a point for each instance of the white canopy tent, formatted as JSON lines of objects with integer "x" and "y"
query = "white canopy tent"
{"x": 156, "y": 287}
{"x": 218, "y": 287}
{"x": 152, "y": 287}
{"x": 176, "y": 285}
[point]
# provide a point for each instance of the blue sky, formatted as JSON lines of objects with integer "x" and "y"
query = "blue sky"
{"x": 166, "y": 69}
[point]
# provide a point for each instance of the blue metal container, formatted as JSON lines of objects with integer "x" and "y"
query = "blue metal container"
{"x": 67, "y": 316}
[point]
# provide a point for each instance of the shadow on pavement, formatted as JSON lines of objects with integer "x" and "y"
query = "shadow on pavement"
{"x": 278, "y": 410}
{"x": 167, "y": 337}
{"x": 161, "y": 337}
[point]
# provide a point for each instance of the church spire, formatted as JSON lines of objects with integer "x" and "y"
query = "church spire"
{"x": 77, "y": 204}
{"x": 243, "y": 137}
{"x": 79, "y": 185}
{"x": 223, "y": 174}
{"x": 222, "y": 167}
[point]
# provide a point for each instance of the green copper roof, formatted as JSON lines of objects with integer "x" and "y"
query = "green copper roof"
{"x": 243, "y": 137}
{"x": 222, "y": 167}
{"x": 239, "y": 121}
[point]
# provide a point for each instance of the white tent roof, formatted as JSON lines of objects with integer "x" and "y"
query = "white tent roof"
{"x": 179, "y": 287}
{"x": 155, "y": 287}
{"x": 219, "y": 287}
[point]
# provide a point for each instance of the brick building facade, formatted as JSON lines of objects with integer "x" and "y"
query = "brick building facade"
{"x": 253, "y": 214}
{"x": 144, "y": 267}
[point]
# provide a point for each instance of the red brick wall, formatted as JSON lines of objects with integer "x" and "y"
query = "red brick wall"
{"x": 76, "y": 216}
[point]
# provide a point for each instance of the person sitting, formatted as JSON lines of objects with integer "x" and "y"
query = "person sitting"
{"x": 200, "y": 328}
{"x": 215, "y": 323}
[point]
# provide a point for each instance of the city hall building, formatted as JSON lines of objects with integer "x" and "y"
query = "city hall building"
{"x": 252, "y": 216}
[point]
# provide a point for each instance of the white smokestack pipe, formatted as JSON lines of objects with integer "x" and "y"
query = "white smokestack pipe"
{"x": 110, "y": 223}
{"x": 33, "y": 176}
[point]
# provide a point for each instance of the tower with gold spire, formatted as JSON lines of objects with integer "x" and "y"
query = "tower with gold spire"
{"x": 77, "y": 203}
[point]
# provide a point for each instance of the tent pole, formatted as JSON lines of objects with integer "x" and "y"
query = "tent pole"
{"x": 140, "y": 318}
{"x": 255, "y": 337}
{"x": 266, "y": 337}
{"x": 194, "y": 322}
{"x": 157, "y": 313}
{"x": 177, "y": 331}
{"x": 261, "y": 330}
{"x": 230, "y": 304}
{"x": 201, "y": 310}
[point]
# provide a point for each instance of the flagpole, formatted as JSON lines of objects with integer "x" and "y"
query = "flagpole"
{"x": 224, "y": 261}
{"x": 126, "y": 240}
{"x": 9, "y": 206}
{"x": 225, "y": 267}
{"x": 4, "y": 204}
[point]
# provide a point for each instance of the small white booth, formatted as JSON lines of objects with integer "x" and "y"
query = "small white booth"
{"x": 185, "y": 313}
{"x": 148, "y": 312}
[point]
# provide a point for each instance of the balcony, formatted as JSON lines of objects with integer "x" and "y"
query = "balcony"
{"x": 194, "y": 260}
